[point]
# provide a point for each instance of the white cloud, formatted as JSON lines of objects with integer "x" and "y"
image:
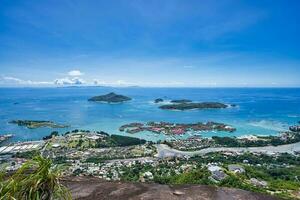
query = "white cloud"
{"x": 99, "y": 82}
{"x": 117, "y": 83}
{"x": 9, "y": 80}
{"x": 69, "y": 81}
{"x": 75, "y": 73}
{"x": 12, "y": 79}
{"x": 121, "y": 82}
{"x": 17, "y": 81}
{"x": 72, "y": 79}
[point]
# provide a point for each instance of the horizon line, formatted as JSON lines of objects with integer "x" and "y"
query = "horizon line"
{"x": 204, "y": 87}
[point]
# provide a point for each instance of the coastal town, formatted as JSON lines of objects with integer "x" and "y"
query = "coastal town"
{"x": 234, "y": 162}
{"x": 257, "y": 163}
{"x": 149, "y": 100}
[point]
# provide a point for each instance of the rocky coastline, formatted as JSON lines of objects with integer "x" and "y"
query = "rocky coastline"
{"x": 295, "y": 128}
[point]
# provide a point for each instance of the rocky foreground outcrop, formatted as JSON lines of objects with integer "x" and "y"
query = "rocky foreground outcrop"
{"x": 88, "y": 188}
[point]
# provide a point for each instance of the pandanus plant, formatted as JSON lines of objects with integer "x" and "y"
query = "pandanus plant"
{"x": 36, "y": 179}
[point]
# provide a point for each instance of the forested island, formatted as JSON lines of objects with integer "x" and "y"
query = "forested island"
{"x": 188, "y": 105}
{"x": 110, "y": 98}
{"x": 32, "y": 124}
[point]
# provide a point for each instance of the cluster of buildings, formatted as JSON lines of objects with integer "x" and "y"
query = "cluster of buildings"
{"x": 191, "y": 143}
{"x": 21, "y": 147}
{"x": 13, "y": 164}
{"x": 218, "y": 174}
{"x": 5, "y": 137}
{"x": 109, "y": 170}
{"x": 83, "y": 157}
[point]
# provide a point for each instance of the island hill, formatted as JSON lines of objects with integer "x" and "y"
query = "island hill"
{"x": 110, "y": 98}
{"x": 175, "y": 129}
{"x": 159, "y": 100}
{"x": 185, "y": 104}
{"x": 32, "y": 124}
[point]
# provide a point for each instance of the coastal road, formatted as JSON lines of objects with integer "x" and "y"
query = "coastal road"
{"x": 164, "y": 151}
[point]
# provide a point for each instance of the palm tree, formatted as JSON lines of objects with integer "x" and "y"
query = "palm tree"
{"x": 37, "y": 179}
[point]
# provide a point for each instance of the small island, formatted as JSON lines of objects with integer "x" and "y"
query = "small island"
{"x": 159, "y": 100}
{"x": 181, "y": 101}
{"x": 110, "y": 98}
{"x": 32, "y": 124}
{"x": 190, "y": 105}
{"x": 295, "y": 128}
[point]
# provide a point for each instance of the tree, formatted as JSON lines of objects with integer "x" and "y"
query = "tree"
{"x": 37, "y": 179}
{"x": 53, "y": 133}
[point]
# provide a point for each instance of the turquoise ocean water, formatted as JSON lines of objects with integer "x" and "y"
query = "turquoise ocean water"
{"x": 259, "y": 111}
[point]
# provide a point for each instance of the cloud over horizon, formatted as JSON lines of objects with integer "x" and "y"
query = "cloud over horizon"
{"x": 9, "y": 80}
{"x": 69, "y": 81}
{"x": 75, "y": 73}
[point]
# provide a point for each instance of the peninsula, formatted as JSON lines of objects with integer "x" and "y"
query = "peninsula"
{"x": 32, "y": 124}
{"x": 110, "y": 98}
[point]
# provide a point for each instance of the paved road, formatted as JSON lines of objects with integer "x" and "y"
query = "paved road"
{"x": 132, "y": 159}
{"x": 166, "y": 151}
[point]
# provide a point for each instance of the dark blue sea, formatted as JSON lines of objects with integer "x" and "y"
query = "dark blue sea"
{"x": 258, "y": 111}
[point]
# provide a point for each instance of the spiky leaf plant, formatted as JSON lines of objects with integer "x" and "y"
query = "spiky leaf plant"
{"x": 37, "y": 179}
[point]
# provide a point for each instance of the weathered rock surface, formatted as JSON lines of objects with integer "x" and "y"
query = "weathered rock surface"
{"x": 88, "y": 188}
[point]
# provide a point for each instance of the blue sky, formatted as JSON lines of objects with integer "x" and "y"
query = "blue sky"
{"x": 178, "y": 43}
